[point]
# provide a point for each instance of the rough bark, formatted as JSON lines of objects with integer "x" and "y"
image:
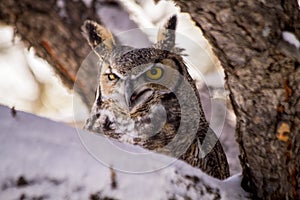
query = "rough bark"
{"x": 52, "y": 27}
{"x": 263, "y": 77}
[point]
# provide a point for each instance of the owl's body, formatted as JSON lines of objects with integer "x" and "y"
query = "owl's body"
{"x": 147, "y": 97}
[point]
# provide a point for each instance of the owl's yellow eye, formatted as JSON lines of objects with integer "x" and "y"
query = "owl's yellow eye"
{"x": 155, "y": 73}
{"x": 112, "y": 76}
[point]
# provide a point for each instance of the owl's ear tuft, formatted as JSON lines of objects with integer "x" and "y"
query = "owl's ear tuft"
{"x": 166, "y": 35}
{"x": 96, "y": 35}
{"x": 171, "y": 23}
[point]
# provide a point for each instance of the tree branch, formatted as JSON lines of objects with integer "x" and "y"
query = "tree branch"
{"x": 53, "y": 29}
{"x": 46, "y": 159}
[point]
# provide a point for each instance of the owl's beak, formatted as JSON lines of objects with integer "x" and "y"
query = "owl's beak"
{"x": 135, "y": 96}
{"x": 128, "y": 92}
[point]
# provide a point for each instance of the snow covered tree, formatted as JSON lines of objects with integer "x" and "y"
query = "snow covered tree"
{"x": 256, "y": 43}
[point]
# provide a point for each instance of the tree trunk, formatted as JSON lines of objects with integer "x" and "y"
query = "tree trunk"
{"x": 263, "y": 77}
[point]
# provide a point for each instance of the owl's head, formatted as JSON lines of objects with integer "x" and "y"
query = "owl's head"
{"x": 138, "y": 87}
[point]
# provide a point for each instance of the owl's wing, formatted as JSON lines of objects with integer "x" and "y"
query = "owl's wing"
{"x": 215, "y": 162}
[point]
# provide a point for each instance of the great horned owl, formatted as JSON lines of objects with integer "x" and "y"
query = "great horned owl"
{"x": 147, "y": 97}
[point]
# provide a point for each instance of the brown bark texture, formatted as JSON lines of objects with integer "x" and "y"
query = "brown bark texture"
{"x": 52, "y": 27}
{"x": 263, "y": 77}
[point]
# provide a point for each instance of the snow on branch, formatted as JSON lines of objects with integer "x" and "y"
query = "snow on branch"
{"x": 43, "y": 159}
{"x": 290, "y": 45}
{"x": 291, "y": 38}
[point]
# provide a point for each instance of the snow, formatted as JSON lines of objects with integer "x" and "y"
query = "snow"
{"x": 29, "y": 82}
{"x": 232, "y": 184}
{"x": 62, "y": 9}
{"x": 137, "y": 14}
{"x": 43, "y": 159}
{"x": 16, "y": 85}
{"x": 291, "y": 38}
{"x": 88, "y": 3}
{"x": 49, "y": 155}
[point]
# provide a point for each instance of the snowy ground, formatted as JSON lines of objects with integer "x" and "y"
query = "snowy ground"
{"x": 43, "y": 159}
